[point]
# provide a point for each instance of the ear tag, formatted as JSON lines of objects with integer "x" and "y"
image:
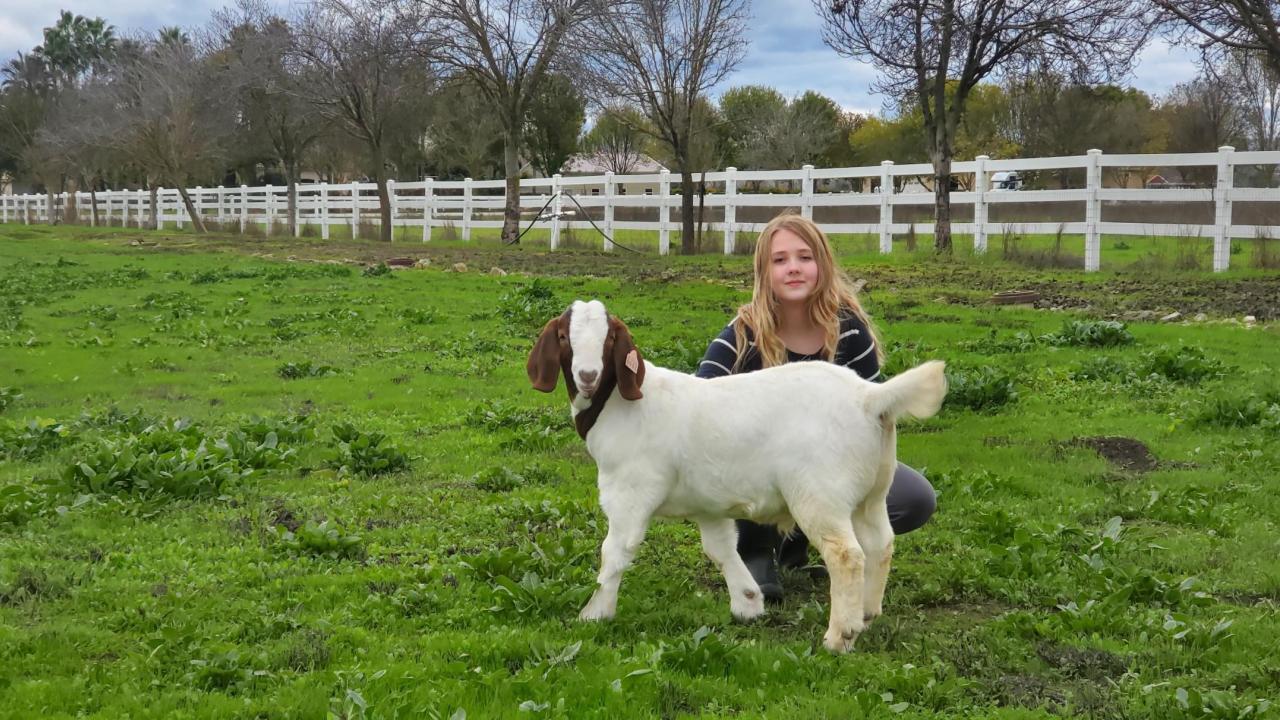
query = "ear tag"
{"x": 633, "y": 362}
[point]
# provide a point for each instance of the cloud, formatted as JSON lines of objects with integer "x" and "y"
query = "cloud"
{"x": 22, "y": 24}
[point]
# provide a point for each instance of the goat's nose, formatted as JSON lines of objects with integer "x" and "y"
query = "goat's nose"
{"x": 588, "y": 377}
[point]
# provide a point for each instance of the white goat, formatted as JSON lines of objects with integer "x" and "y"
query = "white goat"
{"x": 808, "y": 443}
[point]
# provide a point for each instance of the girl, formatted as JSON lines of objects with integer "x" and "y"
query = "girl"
{"x": 802, "y": 308}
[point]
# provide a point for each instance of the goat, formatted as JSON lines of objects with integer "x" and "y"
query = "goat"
{"x": 809, "y": 444}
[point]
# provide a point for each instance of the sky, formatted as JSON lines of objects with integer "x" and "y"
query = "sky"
{"x": 786, "y": 50}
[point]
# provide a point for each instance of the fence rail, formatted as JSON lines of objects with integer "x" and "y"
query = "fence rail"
{"x": 471, "y": 204}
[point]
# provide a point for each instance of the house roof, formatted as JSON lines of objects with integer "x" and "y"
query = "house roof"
{"x": 584, "y": 164}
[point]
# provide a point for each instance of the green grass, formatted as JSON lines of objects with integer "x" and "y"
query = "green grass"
{"x": 309, "y": 573}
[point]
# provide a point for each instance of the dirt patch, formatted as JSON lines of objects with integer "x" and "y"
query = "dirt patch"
{"x": 1122, "y": 294}
{"x": 1126, "y": 453}
{"x": 281, "y": 515}
{"x": 1088, "y": 663}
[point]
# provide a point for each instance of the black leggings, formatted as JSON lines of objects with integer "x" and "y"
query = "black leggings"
{"x": 911, "y": 502}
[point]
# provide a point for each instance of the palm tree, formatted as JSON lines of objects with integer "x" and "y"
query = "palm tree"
{"x": 28, "y": 72}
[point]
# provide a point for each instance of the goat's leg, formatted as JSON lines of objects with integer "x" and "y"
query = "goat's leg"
{"x": 875, "y": 534}
{"x": 845, "y": 562}
{"x": 871, "y": 525}
{"x": 720, "y": 541}
{"x": 626, "y": 531}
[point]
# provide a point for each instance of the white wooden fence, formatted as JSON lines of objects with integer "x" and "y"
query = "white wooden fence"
{"x": 463, "y": 204}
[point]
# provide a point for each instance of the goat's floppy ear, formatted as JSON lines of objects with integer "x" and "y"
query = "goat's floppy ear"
{"x": 628, "y": 366}
{"x": 544, "y": 360}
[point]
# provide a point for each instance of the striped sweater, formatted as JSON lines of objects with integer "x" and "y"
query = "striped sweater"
{"x": 855, "y": 349}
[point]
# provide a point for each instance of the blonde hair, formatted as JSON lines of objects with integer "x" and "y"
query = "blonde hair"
{"x": 832, "y": 294}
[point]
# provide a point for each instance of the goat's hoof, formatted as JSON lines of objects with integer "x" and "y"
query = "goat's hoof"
{"x": 748, "y": 610}
{"x": 868, "y": 616}
{"x": 591, "y": 614}
{"x": 840, "y": 642}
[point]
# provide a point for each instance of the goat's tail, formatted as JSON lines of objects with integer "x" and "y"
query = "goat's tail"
{"x": 917, "y": 392}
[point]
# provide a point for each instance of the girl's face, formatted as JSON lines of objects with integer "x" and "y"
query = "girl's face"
{"x": 793, "y": 271}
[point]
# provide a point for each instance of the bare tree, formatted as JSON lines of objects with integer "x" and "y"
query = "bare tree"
{"x": 506, "y": 48}
{"x": 1233, "y": 24}
{"x": 662, "y": 57}
{"x": 358, "y": 71}
{"x": 168, "y": 113}
{"x": 254, "y": 43}
{"x": 1255, "y": 85}
{"x": 922, "y": 47}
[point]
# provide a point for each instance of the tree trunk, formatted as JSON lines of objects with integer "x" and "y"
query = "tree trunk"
{"x": 384, "y": 204}
{"x": 942, "y": 203}
{"x": 688, "y": 242}
{"x": 93, "y": 203}
{"x": 51, "y": 210}
{"x": 702, "y": 207}
{"x": 511, "y": 206}
{"x": 155, "y": 205}
{"x": 196, "y": 221}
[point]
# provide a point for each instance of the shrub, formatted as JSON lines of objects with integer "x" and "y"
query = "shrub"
{"x": 1250, "y": 410}
{"x": 30, "y": 441}
{"x": 980, "y": 389}
{"x": 1091, "y": 333}
{"x": 324, "y": 539}
{"x": 362, "y": 453}
{"x": 1186, "y": 364}
{"x": 378, "y": 270}
{"x": 248, "y": 452}
{"x": 289, "y": 429}
{"x": 126, "y": 466}
{"x": 527, "y": 307}
{"x": 1101, "y": 368}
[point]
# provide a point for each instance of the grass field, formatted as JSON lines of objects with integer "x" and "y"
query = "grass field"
{"x": 238, "y": 485}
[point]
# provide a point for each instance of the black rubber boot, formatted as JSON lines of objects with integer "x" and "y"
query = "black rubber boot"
{"x": 758, "y": 547}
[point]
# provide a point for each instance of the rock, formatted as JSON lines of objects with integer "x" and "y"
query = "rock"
{"x": 1249, "y": 319}
{"x": 497, "y": 271}
{"x": 459, "y": 267}
{"x": 1200, "y": 317}
{"x": 423, "y": 263}
{"x": 1172, "y": 317}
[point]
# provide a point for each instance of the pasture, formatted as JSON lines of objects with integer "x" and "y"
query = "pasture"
{"x": 263, "y": 478}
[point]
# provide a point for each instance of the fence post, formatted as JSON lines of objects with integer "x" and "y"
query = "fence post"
{"x": 806, "y": 193}
{"x": 466, "y": 208}
{"x": 556, "y": 208}
{"x": 426, "y": 210}
{"x": 124, "y": 212}
{"x": 1222, "y": 209}
{"x": 664, "y": 213}
{"x": 355, "y": 210}
{"x": 886, "y": 209}
{"x": 324, "y": 211}
{"x": 244, "y": 207}
{"x": 296, "y": 214}
{"x": 1093, "y": 213}
{"x": 980, "y": 182}
{"x": 199, "y": 203}
{"x": 608, "y": 209}
{"x": 391, "y": 206}
{"x": 731, "y": 210}
{"x": 270, "y": 197}
{"x": 222, "y": 205}
{"x": 4, "y": 208}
